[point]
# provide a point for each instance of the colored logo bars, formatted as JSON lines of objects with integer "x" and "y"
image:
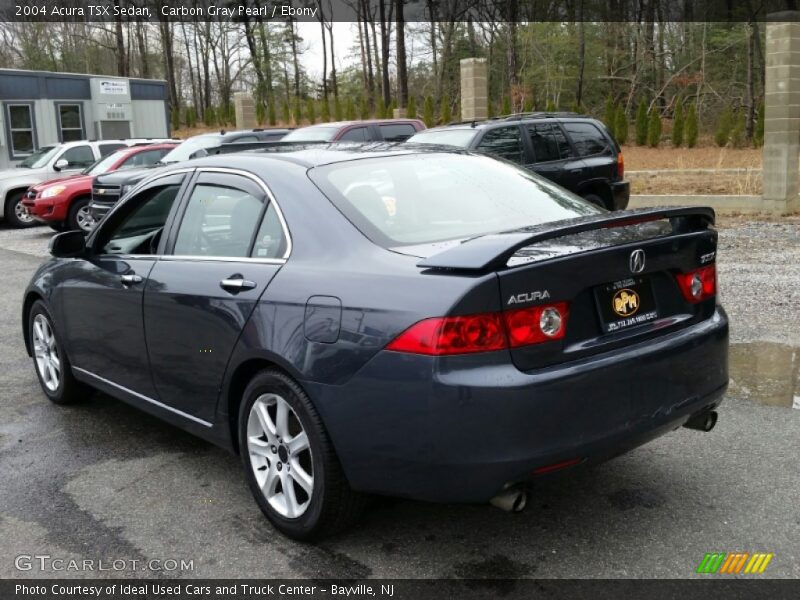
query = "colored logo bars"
{"x": 734, "y": 563}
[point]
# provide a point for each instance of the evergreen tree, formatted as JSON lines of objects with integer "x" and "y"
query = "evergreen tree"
{"x": 392, "y": 108}
{"x": 298, "y": 114}
{"x": 325, "y": 114}
{"x": 621, "y": 125}
{"x": 691, "y": 126}
{"x": 350, "y": 110}
{"x": 271, "y": 116}
{"x": 506, "y": 110}
{"x": 610, "y": 115}
{"x": 528, "y": 106}
{"x": 737, "y": 130}
{"x": 641, "y": 124}
{"x": 175, "y": 119}
{"x": 286, "y": 114}
{"x": 758, "y": 130}
{"x": 677, "y": 123}
{"x": 427, "y": 112}
{"x": 380, "y": 109}
{"x": 338, "y": 113}
{"x": 363, "y": 108}
{"x": 411, "y": 109}
{"x": 311, "y": 113}
{"x": 489, "y": 109}
{"x": 211, "y": 117}
{"x": 551, "y": 106}
{"x": 260, "y": 113}
{"x": 724, "y": 127}
{"x": 445, "y": 112}
{"x": 654, "y": 129}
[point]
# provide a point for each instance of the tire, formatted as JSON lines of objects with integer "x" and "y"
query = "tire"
{"x": 13, "y": 212}
{"x": 268, "y": 459}
{"x": 79, "y": 217}
{"x": 63, "y": 388}
{"x": 595, "y": 199}
{"x": 58, "y": 226}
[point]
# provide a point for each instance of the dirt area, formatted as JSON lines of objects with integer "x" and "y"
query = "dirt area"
{"x": 706, "y": 156}
{"x": 746, "y": 183}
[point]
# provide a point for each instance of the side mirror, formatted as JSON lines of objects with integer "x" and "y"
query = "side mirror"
{"x": 61, "y": 163}
{"x": 68, "y": 244}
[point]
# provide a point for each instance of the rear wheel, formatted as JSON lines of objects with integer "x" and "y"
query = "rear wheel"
{"x": 49, "y": 359}
{"x": 79, "y": 216}
{"x": 289, "y": 461}
{"x": 15, "y": 213}
{"x": 595, "y": 199}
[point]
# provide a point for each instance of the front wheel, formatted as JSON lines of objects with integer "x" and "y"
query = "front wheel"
{"x": 289, "y": 461}
{"x": 79, "y": 216}
{"x": 15, "y": 212}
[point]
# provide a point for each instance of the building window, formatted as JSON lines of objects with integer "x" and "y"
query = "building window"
{"x": 70, "y": 122}
{"x": 21, "y": 130}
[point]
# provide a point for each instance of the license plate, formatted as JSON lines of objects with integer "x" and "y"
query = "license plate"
{"x": 626, "y": 303}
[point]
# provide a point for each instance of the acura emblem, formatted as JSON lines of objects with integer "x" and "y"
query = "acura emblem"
{"x": 636, "y": 261}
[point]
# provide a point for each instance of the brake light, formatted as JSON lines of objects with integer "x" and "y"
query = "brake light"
{"x": 620, "y": 165}
{"x": 484, "y": 332}
{"x": 698, "y": 285}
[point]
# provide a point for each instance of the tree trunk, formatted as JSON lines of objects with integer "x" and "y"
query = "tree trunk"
{"x": 324, "y": 59}
{"x": 122, "y": 57}
{"x": 400, "y": 37}
{"x": 749, "y": 98}
{"x": 255, "y": 56}
{"x": 387, "y": 93}
{"x": 144, "y": 68}
{"x": 581, "y": 55}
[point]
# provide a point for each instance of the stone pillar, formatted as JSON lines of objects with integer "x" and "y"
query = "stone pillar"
{"x": 474, "y": 89}
{"x": 781, "y": 157}
{"x": 245, "y": 108}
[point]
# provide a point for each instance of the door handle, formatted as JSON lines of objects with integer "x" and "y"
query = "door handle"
{"x": 131, "y": 278}
{"x": 235, "y": 284}
{"x": 577, "y": 171}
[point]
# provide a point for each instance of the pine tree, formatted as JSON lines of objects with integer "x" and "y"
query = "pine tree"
{"x": 610, "y": 115}
{"x": 654, "y": 129}
{"x": 363, "y": 108}
{"x": 758, "y": 130}
{"x": 737, "y": 130}
{"x": 528, "y": 105}
{"x": 338, "y": 113}
{"x": 427, "y": 112}
{"x": 271, "y": 116}
{"x": 724, "y": 127}
{"x": 691, "y": 126}
{"x": 641, "y": 124}
{"x": 210, "y": 118}
{"x": 311, "y": 113}
{"x": 350, "y": 110}
{"x": 489, "y": 109}
{"x": 551, "y": 106}
{"x": 445, "y": 112}
{"x": 260, "y": 113}
{"x": 286, "y": 114}
{"x": 325, "y": 114}
{"x": 411, "y": 109}
{"x": 380, "y": 109}
{"x": 298, "y": 115}
{"x": 392, "y": 108}
{"x": 621, "y": 125}
{"x": 506, "y": 108}
{"x": 677, "y": 123}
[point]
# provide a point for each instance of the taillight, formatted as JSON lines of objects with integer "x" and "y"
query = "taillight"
{"x": 536, "y": 324}
{"x": 484, "y": 332}
{"x": 698, "y": 285}
{"x": 620, "y": 165}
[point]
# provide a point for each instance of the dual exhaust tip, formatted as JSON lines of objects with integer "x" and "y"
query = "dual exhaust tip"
{"x": 515, "y": 498}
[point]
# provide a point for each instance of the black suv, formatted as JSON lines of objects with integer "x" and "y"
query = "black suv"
{"x": 572, "y": 150}
{"x": 109, "y": 187}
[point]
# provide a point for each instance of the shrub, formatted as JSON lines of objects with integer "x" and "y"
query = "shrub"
{"x": 427, "y": 112}
{"x": 261, "y": 114}
{"x": 621, "y": 125}
{"x": 610, "y": 115}
{"x": 411, "y": 109}
{"x": 338, "y": 113}
{"x": 271, "y": 116}
{"x": 445, "y": 112}
{"x": 210, "y": 117}
{"x": 311, "y": 113}
{"x": 506, "y": 108}
{"x": 489, "y": 109}
{"x": 677, "y": 123}
{"x": 654, "y": 129}
{"x": 363, "y": 108}
{"x": 551, "y": 106}
{"x": 691, "y": 126}
{"x": 528, "y": 105}
{"x": 350, "y": 110}
{"x": 325, "y": 114}
{"x": 641, "y": 124}
{"x": 380, "y": 109}
{"x": 758, "y": 130}
{"x": 286, "y": 113}
{"x": 298, "y": 115}
{"x": 724, "y": 127}
{"x": 737, "y": 131}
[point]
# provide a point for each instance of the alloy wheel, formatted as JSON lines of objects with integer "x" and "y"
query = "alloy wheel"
{"x": 280, "y": 455}
{"x": 84, "y": 218}
{"x": 22, "y": 214}
{"x": 45, "y": 349}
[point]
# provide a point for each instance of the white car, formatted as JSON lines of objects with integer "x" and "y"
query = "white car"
{"x": 50, "y": 162}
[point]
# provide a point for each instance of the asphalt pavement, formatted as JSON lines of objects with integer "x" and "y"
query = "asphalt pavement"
{"x": 100, "y": 481}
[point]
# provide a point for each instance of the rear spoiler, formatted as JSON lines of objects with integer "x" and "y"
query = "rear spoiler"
{"x": 493, "y": 251}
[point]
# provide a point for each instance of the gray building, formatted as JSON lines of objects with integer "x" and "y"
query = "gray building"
{"x": 41, "y": 108}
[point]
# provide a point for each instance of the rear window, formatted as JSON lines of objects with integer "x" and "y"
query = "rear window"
{"x": 397, "y": 132}
{"x": 587, "y": 138}
{"x": 426, "y": 198}
{"x": 449, "y": 137}
{"x": 311, "y": 134}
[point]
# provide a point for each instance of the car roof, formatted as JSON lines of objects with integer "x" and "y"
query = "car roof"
{"x": 515, "y": 118}
{"x": 360, "y": 122}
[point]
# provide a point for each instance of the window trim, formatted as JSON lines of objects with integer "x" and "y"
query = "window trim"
{"x": 58, "y": 106}
{"x": 7, "y": 115}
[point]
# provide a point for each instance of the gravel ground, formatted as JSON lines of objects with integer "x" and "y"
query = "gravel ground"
{"x": 101, "y": 480}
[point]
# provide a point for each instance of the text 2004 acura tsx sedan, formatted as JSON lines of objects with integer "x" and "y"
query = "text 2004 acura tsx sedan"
{"x": 383, "y": 319}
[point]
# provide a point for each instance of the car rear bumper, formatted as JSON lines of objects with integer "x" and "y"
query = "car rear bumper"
{"x": 621, "y": 194}
{"x": 459, "y": 429}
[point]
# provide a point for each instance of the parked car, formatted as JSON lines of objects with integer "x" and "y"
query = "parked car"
{"x": 107, "y": 189}
{"x": 446, "y": 327}
{"x": 377, "y": 130}
{"x": 50, "y": 162}
{"x": 64, "y": 203}
{"x": 576, "y": 152}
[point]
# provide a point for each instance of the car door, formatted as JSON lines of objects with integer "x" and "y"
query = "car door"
{"x": 102, "y": 298}
{"x": 595, "y": 148}
{"x": 553, "y": 157}
{"x": 355, "y": 134}
{"x": 226, "y": 247}
{"x": 78, "y": 158}
{"x": 504, "y": 142}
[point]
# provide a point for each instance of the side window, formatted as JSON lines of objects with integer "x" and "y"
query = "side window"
{"x": 548, "y": 142}
{"x": 20, "y": 127}
{"x": 220, "y": 219}
{"x": 359, "y": 134}
{"x": 140, "y": 230}
{"x": 397, "y": 132}
{"x": 106, "y": 149}
{"x": 78, "y": 157}
{"x": 270, "y": 241}
{"x": 587, "y": 138}
{"x": 142, "y": 159}
{"x": 70, "y": 122}
{"x": 504, "y": 142}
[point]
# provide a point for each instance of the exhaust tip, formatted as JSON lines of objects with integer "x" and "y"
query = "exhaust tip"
{"x": 703, "y": 422}
{"x": 512, "y": 499}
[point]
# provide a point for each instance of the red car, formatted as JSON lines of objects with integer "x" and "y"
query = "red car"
{"x": 64, "y": 203}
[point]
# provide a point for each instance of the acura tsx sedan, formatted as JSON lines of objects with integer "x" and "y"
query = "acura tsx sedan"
{"x": 381, "y": 319}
